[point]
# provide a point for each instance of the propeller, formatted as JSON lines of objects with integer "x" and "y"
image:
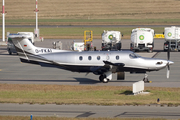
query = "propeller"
{"x": 168, "y": 57}
{"x": 168, "y": 70}
{"x": 168, "y": 52}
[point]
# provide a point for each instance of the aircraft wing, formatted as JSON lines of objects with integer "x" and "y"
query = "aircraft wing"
{"x": 114, "y": 64}
{"x": 107, "y": 67}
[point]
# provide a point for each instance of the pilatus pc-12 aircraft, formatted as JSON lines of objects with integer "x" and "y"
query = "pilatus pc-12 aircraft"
{"x": 102, "y": 63}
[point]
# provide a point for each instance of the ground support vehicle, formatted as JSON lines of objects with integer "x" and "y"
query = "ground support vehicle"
{"x": 111, "y": 40}
{"x": 88, "y": 40}
{"x": 172, "y": 38}
{"x": 77, "y": 46}
{"x": 142, "y": 39}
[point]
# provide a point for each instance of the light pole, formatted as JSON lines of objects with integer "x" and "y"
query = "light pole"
{"x": 3, "y": 22}
{"x": 37, "y": 30}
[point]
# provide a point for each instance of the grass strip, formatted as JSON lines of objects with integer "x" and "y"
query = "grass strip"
{"x": 77, "y": 32}
{"x": 11, "y": 21}
{"x": 92, "y": 95}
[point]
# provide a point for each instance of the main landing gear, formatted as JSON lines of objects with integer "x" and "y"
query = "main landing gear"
{"x": 146, "y": 78}
{"x": 103, "y": 78}
{"x": 106, "y": 77}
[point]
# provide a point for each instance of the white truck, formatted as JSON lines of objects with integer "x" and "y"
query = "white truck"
{"x": 172, "y": 38}
{"x": 10, "y": 46}
{"x": 77, "y": 46}
{"x": 111, "y": 40}
{"x": 142, "y": 39}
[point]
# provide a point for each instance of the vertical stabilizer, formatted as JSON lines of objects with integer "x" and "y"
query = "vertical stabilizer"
{"x": 23, "y": 46}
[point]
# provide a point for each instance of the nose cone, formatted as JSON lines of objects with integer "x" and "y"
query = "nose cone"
{"x": 170, "y": 62}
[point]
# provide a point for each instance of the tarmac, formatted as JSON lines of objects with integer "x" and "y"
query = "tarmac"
{"x": 12, "y": 71}
{"x": 90, "y": 111}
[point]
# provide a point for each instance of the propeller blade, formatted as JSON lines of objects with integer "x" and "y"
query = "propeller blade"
{"x": 168, "y": 52}
{"x": 168, "y": 70}
{"x": 168, "y": 57}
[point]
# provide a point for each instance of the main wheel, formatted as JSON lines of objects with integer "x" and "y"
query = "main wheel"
{"x": 103, "y": 78}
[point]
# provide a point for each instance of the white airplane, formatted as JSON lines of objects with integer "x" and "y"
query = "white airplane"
{"x": 102, "y": 63}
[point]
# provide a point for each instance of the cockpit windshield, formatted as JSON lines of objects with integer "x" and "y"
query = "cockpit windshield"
{"x": 133, "y": 55}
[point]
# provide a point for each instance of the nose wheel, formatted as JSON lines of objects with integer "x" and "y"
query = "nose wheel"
{"x": 146, "y": 78}
{"x": 103, "y": 78}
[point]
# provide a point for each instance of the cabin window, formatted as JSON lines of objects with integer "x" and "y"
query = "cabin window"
{"x": 117, "y": 57}
{"x": 89, "y": 57}
{"x": 98, "y": 57}
{"x": 80, "y": 58}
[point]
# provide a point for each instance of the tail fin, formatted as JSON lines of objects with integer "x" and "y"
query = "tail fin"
{"x": 29, "y": 53}
{"x": 22, "y": 45}
{"x": 25, "y": 49}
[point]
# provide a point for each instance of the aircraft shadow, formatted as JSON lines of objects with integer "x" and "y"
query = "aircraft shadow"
{"x": 35, "y": 81}
{"x": 80, "y": 80}
{"x": 86, "y": 81}
{"x": 92, "y": 81}
{"x": 77, "y": 80}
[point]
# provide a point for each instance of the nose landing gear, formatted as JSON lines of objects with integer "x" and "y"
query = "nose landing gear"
{"x": 146, "y": 78}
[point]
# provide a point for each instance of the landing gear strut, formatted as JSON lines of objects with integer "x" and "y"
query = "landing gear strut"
{"x": 146, "y": 78}
{"x": 103, "y": 78}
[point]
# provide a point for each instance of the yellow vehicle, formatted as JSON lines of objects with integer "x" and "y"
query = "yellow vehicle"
{"x": 88, "y": 38}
